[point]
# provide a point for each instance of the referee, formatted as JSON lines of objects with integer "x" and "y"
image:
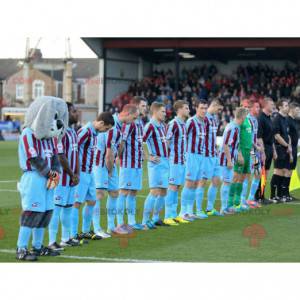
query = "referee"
{"x": 294, "y": 114}
{"x": 266, "y": 138}
{"x": 284, "y": 152}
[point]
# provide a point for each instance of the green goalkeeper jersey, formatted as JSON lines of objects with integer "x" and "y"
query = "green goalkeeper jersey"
{"x": 245, "y": 135}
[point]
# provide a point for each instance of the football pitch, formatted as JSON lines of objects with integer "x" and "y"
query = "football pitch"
{"x": 268, "y": 234}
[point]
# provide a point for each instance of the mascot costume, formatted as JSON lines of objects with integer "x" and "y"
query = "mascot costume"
{"x": 45, "y": 124}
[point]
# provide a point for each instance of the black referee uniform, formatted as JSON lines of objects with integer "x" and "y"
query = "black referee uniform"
{"x": 265, "y": 132}
{"x": 293, "y": 133}
{"x": 279, "y": 183}
{"x": 281, "y": 127}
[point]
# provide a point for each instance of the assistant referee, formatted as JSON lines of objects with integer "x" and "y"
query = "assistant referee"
{"x": 265, "y": 137}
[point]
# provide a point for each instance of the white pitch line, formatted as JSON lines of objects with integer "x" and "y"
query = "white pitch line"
{"x": 95, "y": 258}
{"x": 12, "y": 191}
{"x": 7, "y": 181}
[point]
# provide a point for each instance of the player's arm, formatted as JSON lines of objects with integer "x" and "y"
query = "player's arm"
{"x": 148, "y": 130}
{"x": 109, "y": 156}
{"x": 125, "y": 132}
{"x": 226, "y": 138}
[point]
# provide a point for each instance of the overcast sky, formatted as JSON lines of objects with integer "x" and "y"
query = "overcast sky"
{"x": 51, "y": 47}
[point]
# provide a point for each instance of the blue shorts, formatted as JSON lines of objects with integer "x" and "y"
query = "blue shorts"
{"x": 226, "y": 174}
{"x": 101, "y": 177}
{"x": 86, "y": 189}
{"x": 34, "y": 194}
{"x": 211, "y": 167}
{"x": 158, "y": 173}
{"x": 177, "y": 174}
{"x": 131, "y": 178}
{"x": 193, "y": 166}
{"x": 64, "y": 195}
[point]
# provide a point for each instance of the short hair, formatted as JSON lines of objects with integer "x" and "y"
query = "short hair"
{"x": 179, "y": 104}
{"x": 216, "y": 101}
{"x": 201, "y": 101}
{"x": 267, "y": 99}
{"x": 129, "y": 108}
{"x": 280, "y": 102}
{"x": 106, "y": 117}
{"x": 136, "y": 100}
{"x": 155, "y": 106}
{"x": 294, "y": 105}
{"x": 241, "y": 112}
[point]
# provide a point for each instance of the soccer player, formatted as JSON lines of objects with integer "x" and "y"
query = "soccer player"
{"x": 64, "y": 192}
{"x": 294, "y": 115}
{"x": 194, "y": 160}
{"x": 265, "y": 137}
{"x": 106, "y": 173}
{"x": 284, "y": 152}
{"x": 176, "y": 135}
{"x": 158, "y": 165}
{"x": 229, "y": 154}
{"x": 210, "y": 167}
{"x": 254, "y": 109}
{"x": 131, "y": 163}
{"x": 243, "y": 166}
{"x": 85, "y": 191}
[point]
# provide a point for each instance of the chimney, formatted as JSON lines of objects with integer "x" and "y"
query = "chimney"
{"x": 27, "y": 83}
{"x": 67, "y": 81}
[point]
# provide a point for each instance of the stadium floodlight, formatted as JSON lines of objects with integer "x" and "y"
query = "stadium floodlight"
{"x": 163, "y": 50}
{"x": 255, "y": 49}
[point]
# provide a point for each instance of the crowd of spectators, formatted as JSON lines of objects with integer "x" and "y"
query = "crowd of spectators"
{"x": 206, "y": 82}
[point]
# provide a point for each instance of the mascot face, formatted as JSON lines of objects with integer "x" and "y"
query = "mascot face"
{"x": 48, "y": 117}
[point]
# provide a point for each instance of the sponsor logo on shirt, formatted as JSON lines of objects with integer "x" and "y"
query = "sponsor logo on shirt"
{"x": 35, "y": 204}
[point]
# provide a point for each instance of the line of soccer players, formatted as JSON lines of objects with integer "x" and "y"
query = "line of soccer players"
{"x": 182, "y": 153}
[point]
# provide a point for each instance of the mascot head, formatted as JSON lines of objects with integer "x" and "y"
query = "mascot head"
{"x": 48, "y": 117}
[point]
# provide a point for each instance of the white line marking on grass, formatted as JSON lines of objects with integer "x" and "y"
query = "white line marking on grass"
{"x": 95, "y": 258}
{"x": 12, "y": 191}
{"x": 7, "y": 181}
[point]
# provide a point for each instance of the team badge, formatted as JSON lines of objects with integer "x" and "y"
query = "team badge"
{"x": 128, "y": 183}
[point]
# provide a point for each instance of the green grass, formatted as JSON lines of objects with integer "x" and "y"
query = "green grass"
{"x": 217, "y": 239}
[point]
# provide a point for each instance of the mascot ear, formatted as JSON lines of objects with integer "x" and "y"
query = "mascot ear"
{"x": 43, "y": 121}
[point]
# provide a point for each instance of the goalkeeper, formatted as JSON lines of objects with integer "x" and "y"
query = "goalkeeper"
{"x": 242, "y": 167}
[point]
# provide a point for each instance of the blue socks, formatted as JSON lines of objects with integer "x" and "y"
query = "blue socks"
{"x": 175, "y": 204}
{"x": 187, "y": 201}
{"x": 199, "y": 198}
{"x": 224, "y": 196}
{"x": 96, "y": 216}
{"x": 158, "y": 206}
{"x": 244, "y": 191}
{"x": 24, "y": 237}
{"x": 148, "y": 207}
{"x": 253, "y": 189}
{"x": 111, "y": 207}
{"x": 37, "y": 237}
{"x": 87, "y": 214}
{"x": 211, "y": 197}
{"x": 121, "y": 208}
{"x": 171, "y": 204}
{"x": 65, "y": 217}
{"x": 131, "y": 208}
{"x": 74, "y": 221}
{"x": 53, "y": 225}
